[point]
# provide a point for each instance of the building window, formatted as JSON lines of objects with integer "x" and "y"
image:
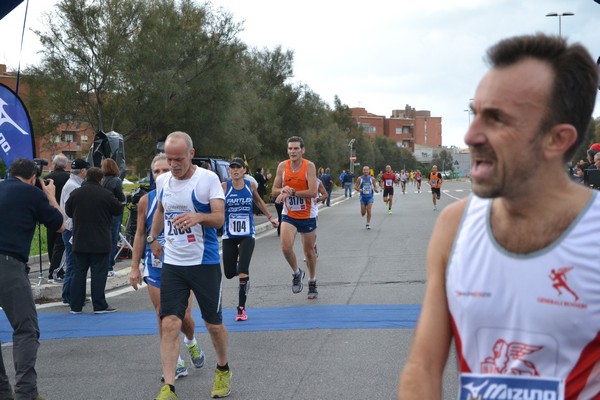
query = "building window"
{"x": 398, "y": 131}
{"x": 84, "y": 138}
{"x": 55, "y": 139}
{"x": 68, "y": 137}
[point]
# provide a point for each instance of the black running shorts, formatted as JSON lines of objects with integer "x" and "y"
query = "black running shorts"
{"x": 203, "y": 280}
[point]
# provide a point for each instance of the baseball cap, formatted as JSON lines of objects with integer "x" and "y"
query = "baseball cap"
{"x": 237, "y": 161}
{"x": 79, "y": 163}
{"x": 595, "y": 146}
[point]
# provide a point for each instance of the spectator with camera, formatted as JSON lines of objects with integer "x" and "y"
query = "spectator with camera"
{"x": 22, "y": 207}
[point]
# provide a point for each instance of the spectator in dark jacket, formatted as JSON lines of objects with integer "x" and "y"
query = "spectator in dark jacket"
{"x": 261, "y": 186}
{"x": 113, "y": 184}
{"x": 327, "y": 181}
{"x": 92, "y": 209}
{"x": 56, "y": 247}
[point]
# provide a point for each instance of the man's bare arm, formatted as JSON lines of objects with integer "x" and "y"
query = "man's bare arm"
{"x": 422, "y": 374}
{"x": 139, "y": 243}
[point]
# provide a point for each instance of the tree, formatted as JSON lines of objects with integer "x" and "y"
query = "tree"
{"x": 142, "y": 68}
{"x": 444, "y": 161}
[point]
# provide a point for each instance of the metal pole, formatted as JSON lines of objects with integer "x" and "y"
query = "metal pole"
{"x": 351, "y": 169}
{"x": 559, "y": 25}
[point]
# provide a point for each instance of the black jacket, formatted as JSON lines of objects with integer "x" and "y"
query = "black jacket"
{"x": 92, "y": 208}
{"x": 114, "y": 185}
{"x": 60, "y": 177}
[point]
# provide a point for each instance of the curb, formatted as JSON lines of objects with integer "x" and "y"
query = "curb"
{"x": 48, "y": 292}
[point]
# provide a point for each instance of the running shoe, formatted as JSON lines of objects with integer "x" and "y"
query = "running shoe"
{"x": 434, "y": 208}
{"x": 312, "y": 290}
{"x": 368, "y": 226}
{"x": 166, "y": 394}
{"x": 110, "y": 274}
{"x": 180, "y": 371}
{"x": 197, "y": 355}
{"x": 222, "y": 385}
{"x": 297, "y": 281}
{"x": 390, "y": 212}
{"x": 241, "y": 314}
{"x": 106, "y": 310}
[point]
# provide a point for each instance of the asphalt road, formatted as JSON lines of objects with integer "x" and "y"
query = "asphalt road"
{"x": 350, "y": 343}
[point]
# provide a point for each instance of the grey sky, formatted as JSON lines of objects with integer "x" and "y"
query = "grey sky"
{"x": 381, "y": 54}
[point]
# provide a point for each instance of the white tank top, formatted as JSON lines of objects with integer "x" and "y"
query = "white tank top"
{"x": 533, "y": 315}
{"x": 198, "y": 244}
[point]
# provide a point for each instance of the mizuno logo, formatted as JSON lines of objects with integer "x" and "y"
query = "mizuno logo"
{"x": 6, "y": 119}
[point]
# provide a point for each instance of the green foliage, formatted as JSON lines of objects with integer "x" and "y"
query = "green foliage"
{"x": 592, "y": 135}
{"x": 145, "y": 68}
{"x": 35, "y": 243}
{"x": 444, "y": 161}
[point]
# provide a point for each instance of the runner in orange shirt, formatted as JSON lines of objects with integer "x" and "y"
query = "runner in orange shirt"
{"x": 435, "y": 181}
{"x": 296, "y": 186}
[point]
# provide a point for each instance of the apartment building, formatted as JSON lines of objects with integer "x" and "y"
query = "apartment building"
{"x": 407, "y": 127}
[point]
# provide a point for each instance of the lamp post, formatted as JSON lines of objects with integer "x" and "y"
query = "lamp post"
{"x": 560, "y": 15}
{"x": 351, "y": 169}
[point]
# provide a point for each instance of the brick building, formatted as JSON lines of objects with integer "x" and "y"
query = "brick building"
{"x": 407, "y": 127}
{"x": 70, "y": 138}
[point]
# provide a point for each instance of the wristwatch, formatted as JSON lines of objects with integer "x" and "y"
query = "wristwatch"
{"x": 150, "y": 239}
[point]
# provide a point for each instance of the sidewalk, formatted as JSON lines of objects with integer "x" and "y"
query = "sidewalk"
{"x": 44, "y": 292}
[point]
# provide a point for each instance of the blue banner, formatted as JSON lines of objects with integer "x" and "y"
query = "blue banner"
{"x": 16, "y": 134}
{"x": 7, "y": 6}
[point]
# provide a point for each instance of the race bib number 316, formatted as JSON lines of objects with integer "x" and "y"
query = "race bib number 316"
{"x": 296, "y": 203}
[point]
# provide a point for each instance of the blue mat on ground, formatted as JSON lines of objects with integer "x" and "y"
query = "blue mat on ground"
{"x": 361, "y": 316}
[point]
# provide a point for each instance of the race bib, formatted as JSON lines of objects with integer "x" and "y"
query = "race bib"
{"x": 509, "y": 387}
{"x": 389, "y": 182}
{"x": 434, "y": 182}
{"x": 239, "y": 224}
{"x": 156, "y": 263}
{"x": 367, "y": 189}
{"x": 296, "y": 203}
{"x": 174, "y": 234}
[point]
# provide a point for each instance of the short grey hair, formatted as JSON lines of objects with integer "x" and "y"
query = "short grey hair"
{"x": 158, "y": 157}
{"x": 181, "y": 135}
{"x": 60, "y": 160}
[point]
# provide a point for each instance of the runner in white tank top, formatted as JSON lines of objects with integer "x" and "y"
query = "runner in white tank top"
{"x": 513, "y": 272}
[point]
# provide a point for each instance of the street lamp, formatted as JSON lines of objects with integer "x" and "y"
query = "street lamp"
{"x": 565, "y": 14}
{"x": 351, "y": 160}
{"x": 469, "y": 111}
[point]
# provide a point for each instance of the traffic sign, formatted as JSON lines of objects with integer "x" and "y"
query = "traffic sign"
{"x": 353, "y": 159}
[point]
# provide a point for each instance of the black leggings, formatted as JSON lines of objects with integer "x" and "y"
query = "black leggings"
{"x": 232, "y": 248}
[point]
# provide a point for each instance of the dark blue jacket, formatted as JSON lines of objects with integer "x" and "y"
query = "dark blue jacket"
{"x": 22, "y": 206}
{"x": 92, "y": 208}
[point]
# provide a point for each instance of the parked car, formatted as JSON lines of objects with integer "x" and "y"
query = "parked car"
{"x": 217, "y": 164}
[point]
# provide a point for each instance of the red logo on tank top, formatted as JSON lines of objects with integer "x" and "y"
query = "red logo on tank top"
{"x": 509, "y": 358}
{"x": 559, "y": 279}
{"x": 560, "y": 283}
{"x": 191, "y": 238}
